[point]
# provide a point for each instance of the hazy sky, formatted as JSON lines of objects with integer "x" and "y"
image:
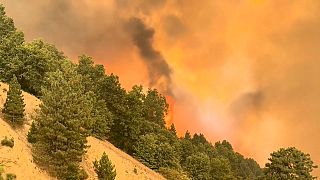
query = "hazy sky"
{"x": 246, "y": 71}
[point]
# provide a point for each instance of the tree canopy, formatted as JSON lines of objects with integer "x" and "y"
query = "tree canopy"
{"x": 14, "y": 106}
{"x": 289, "y": 163}
{"x": 60, "y": 139}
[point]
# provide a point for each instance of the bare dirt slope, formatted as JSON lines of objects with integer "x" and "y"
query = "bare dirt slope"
{"x": 127, "y": 167}
{"x": 18, "y": 160}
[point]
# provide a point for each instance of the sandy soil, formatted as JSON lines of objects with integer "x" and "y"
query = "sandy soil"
{"x": 125, "y": 165}
{"x": 18, "y": 160}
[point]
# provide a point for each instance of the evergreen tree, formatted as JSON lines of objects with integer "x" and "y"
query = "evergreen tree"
{"x": 198, "y": 166}
{"x": 32, "y": 133}
{"x": 102, "y": 120}
{"x": 104, "y": 168}
{"x": 114, "y": 95}
{"x": 11, "y": 47}
{"x": 173, "y": 130}
{"x": 60, "y": 139}
{"x": 1, "y": 171}
{"x": 129, "y": 112}
{"x": 156, "y": 107}
{"x": 155, "y": 151}
{"x": 241, "y": 167}
{"x": 220, "y": 169}
{"x": 92, "y": 75}
{"x": 14, "y": 106}
{"x": 187, "y": 136}
{"x": 7, "y": 25}
{"x": 92, "y": 78}
{"x": 173, "y": 174}
{"x": 289, "y": 163}
{"x": 39, "y": 59}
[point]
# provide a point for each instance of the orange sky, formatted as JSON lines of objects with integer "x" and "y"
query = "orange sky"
{"x": 246, "y": 71}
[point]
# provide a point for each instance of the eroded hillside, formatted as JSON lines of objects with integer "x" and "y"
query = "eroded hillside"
{"x": 18, "y": 160}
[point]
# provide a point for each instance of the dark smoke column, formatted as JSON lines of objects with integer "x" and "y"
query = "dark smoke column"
{"x": 158, "y": 68}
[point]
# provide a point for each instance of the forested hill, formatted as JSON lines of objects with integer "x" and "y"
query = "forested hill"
{"x": 81, "y": 100}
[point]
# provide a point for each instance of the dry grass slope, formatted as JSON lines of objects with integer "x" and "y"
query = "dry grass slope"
{"x": 18, "y": 160}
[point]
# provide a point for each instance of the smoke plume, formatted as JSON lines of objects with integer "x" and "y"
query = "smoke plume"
{"x": 158, "y": 68}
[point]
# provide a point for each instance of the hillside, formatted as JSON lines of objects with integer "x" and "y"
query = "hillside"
{"x": 18, "y": 160}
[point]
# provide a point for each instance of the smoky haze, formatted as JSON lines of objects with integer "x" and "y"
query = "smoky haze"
{"x": 246, "y": 71}
{"x": 101, "y": 30}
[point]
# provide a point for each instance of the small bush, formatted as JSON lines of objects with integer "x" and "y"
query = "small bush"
{"x": 7, "y": 142}
{"x": 1, "y": 171}
{"x": 11, "y": 176}
{"x": 172, "y": 174}
{"x": 31, "y": 137}
{"x": 104, "y": 168}
{"x": 135, "y": 170}
{"x": 83, "y": 174}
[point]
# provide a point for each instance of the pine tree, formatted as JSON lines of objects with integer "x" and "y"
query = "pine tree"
{"x": 289, "y": 163}
{"x": 60, "y": 139}
{"x": 173, "y": 130}
{"x": 102, "y": 119}
{"x": 11, "y": 51}
{"x": 14, "y": 106}
{"x": 104, "y": 168}
{"x": 32, "y": 133}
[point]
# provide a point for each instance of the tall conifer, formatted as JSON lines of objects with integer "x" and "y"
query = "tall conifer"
{"x": 14, "y": 106}
{"x": 60, "y": 139}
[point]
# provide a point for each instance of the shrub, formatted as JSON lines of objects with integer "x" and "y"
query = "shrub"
{"x": 1, "y": 171}
{"x": 11, "y": 176}
{"x": 83, "y": 174}
{"x": 7, "y": 142}
{"x": 172, "y": 174}
{"x": 104, "y": 168}
{"x": 135, "y": 170}
{"x": 31, "y": 137}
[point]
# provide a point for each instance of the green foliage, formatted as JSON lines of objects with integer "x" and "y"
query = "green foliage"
{"x": 1, "y": 170}
{"x": 102, "y": 120}
{"x": 39, "y": 59}
{"x": 104, "y": 168}
{"x": 135, "y": 113}
{"x": 11, "y": 51}
{"x": 173, "y": 130}
{"x": 155, "y": 151}
{"x": 155, "y": 107}
{"x": 7, "y": 142}
{"x": 92, "y": 77}
{"x": 241, "y": 167}
{"x": 60, "y": 139}
{"x": 198, "y": 166}
{"x": 14, "y": 106}
{"x": 220, "y": 169}
{"x": 114, "y": 95}
{"x": 135, "y": 170}
{"x": 11, "y": 176}
{"x": 6, "y": 23}
{"x": 133, "y": 123}
{"x": 172, "y": 174}
{"x": 289, "y": 163}
{"x": 28, "y": 61}
{"x": 92, "y": 74}
{"x": 31, "y": 137}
